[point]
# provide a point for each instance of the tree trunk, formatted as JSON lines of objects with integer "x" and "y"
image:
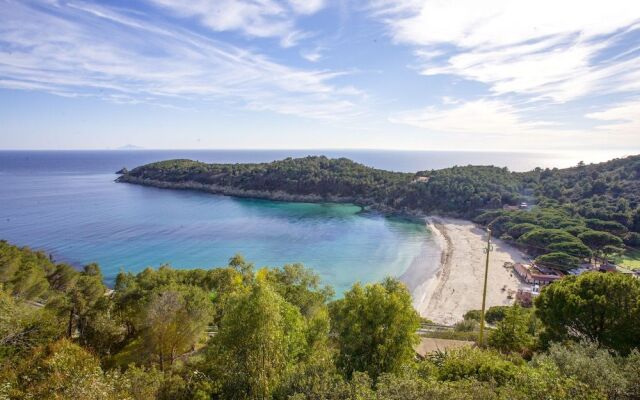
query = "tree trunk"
{"x": 70, "y": 324}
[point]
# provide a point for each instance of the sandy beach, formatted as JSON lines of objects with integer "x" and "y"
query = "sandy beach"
{"x": 444, "y": 296}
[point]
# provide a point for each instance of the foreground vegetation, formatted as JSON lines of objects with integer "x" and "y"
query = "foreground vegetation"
{"x": 584, "y": 213}
{"x": 238, "y": 332}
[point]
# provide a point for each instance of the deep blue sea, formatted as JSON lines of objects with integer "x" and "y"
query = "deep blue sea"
{"x": 67, "y": 204}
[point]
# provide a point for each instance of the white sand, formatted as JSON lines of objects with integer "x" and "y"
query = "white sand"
{"x": 457, "y": 286}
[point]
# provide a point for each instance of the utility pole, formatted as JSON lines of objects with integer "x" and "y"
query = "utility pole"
{"x": 484, "y": 290}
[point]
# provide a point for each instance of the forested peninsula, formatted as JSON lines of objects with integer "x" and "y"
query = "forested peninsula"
{"x": 569, "y": 215}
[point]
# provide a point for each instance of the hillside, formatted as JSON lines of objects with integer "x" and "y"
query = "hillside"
{"x": 460, "y": 191}
{"x": 313, "y": 177}
{"x": 607, "y": 191}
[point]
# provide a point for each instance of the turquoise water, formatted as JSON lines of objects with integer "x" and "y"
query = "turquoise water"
{"x": 80, "y": 216}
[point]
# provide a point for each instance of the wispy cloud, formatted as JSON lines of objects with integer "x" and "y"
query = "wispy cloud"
{"x": 312, "y": 55}
{"x": 530, "y": 57}
{"x": 258, "y": 18}
{"x": 559, "y": 50}
{"x": 620, "y": 119}
{"x": 77, "y": 48}
{"x": 479, "y": 117}
{"x": 495, "y": 124}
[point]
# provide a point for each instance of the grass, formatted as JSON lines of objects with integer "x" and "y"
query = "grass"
{"x": 630, "y": 260}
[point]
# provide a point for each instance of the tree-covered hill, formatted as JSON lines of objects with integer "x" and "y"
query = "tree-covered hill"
{"x": 583, "y": 212}
{"x": 461, "y": 191}
{"x": 310, "y": 176}
{"x": 608, "y": 191}
{"x": 464, "y": 191}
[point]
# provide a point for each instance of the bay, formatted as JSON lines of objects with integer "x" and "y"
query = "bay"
{"x": 67, "y": 204}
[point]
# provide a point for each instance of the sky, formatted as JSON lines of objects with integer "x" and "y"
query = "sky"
{"x": 507, "y": 75}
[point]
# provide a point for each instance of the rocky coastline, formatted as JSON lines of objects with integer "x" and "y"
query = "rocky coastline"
{"x": 366, "y": 204}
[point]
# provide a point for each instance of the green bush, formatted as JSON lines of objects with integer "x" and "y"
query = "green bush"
{"x": 473, "y": 315}
{"x": 495, "y": 314}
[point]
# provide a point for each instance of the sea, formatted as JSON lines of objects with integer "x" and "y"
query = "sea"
{"x": 67, "y": 204}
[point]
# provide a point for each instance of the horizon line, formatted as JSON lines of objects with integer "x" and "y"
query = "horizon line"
{"x": 627, "y": 152}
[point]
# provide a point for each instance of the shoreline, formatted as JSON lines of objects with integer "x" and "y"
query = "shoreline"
{"x": 235, "y": 192}
{"x": 364, "y": 203}
{"x": 441, "y": 291}
{"x": 456, "y": 287}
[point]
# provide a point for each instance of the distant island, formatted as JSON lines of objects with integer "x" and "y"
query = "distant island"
{"x": 130, "y": 147}
{"x": 583, "y": 212}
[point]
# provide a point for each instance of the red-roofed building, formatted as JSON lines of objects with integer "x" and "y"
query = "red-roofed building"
{"x": 534, "y": 274}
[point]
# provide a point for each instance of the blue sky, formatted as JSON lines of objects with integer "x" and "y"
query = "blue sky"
{"x": 387, "y": 74}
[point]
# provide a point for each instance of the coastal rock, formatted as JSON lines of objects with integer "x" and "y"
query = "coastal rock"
{"x": 236, "y": 192}
{"x": 123, "y": 171}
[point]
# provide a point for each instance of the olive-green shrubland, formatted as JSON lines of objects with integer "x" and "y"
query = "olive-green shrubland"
{"x": 239, "y": 332}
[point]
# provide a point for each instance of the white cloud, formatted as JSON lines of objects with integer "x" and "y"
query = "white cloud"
{"x": 480, "y": 117}
{"x": 495, "y": 124}
{"x": 620, "y": 119}
{"x": 538, "y": 53}
{"x": 472, "y": 23}
{"x": 96, "y": 51}
{"x": 313, "y": 55}
{"x": 546, "y": 48}
{"x": 448, "y": 100}
{"x": 307, "y": 6}
{"x": 292, "y": 38}
{"x": 257, "y": 18}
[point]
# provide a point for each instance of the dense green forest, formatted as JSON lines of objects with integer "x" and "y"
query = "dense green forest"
{"x": 238, "y": 332}
{"x": 582, "y": 213}
{"x": 607, "y": 191}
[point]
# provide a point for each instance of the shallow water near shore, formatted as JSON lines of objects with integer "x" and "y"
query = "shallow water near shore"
{"x": 73, "y": 210}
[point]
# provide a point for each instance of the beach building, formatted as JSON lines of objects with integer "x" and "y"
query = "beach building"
{"x": 537, "y": 275}
{"x": 423, "y": 179}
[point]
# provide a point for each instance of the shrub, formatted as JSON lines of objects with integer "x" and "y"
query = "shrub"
{"x": 495, "y": 314}
{"x": 558, "y": 260}
{"x": 473, "y": 315}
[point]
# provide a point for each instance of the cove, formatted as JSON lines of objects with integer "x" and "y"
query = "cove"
{"x": 81, "y": 216}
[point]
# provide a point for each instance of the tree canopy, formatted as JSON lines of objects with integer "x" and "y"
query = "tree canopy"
{"x": 376, "y": 326}
{"x": 604, "y": 308}
{"x": 237, "y": 332}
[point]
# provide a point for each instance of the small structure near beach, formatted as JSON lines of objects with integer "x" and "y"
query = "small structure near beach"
{"x": 537, "y": 275}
